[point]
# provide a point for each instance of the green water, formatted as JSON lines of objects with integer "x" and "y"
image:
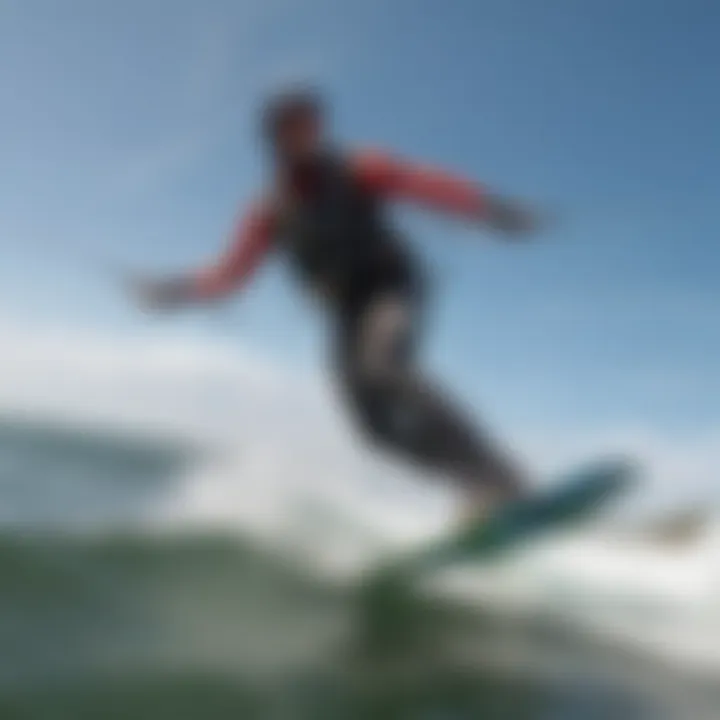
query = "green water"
{"x": 186, "y": 625}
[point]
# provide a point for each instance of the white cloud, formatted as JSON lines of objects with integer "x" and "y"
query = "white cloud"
{"x": 163, "y": 380}
{"x": 205, "y": 388}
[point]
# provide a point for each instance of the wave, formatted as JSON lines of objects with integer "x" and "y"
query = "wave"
{"x": 182, "y": 509}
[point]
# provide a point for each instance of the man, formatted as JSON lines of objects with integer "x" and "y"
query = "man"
{"x": 325, "y": 212}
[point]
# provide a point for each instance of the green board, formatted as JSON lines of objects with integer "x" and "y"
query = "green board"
{"x": 575, "y": 497}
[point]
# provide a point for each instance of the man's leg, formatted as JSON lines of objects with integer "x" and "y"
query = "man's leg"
{"x": 401, "y": 410}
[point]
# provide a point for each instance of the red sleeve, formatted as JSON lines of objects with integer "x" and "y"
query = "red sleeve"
{"x": 427, "y": 186}
{"x": 251, "y": 242}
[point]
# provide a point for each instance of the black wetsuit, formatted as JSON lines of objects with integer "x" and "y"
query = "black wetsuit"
{"x": 330, "y": 222}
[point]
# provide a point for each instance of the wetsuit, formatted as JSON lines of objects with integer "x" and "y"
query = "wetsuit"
{"x": 328, "y": 218}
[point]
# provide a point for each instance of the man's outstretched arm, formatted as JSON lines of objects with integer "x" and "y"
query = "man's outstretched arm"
{"x": 248, "y": 248}
{"x": 439, "y": 190}
{"x": 251, "y": 242}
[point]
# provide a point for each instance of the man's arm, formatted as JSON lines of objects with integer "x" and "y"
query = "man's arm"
{"x": 251, "y": 242}
{"x": 439, "y": 190}
{"x": 248, "y": 248}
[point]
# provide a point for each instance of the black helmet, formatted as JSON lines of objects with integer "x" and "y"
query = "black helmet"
{"x": 287, "y": 104}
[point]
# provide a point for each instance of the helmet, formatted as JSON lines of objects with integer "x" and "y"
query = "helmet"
{"x": 287, "y": 104}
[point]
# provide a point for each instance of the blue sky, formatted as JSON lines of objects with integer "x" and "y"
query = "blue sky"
{"x": 127, "y": 131}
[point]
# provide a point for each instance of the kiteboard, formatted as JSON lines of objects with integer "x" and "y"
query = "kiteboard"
{"x": 575, "y": 497}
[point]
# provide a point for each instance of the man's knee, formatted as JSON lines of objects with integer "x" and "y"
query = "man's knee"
{"x": 385, "y": 339}
{"x": 369, "y": 401}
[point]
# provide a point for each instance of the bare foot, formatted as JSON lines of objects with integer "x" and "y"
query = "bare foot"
{"x": 478, "y": 506}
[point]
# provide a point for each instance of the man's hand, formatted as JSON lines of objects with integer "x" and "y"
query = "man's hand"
{"x": 511, "y": 217}
{"x": 161, "y": 295}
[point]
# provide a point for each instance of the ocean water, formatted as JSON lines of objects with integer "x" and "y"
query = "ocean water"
{"x": 115, "y": 604}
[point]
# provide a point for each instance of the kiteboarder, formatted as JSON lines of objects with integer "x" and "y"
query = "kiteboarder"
{"x": 325, "y": 211}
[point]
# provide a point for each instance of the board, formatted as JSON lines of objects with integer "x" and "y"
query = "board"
{"x": 575, "y": 497}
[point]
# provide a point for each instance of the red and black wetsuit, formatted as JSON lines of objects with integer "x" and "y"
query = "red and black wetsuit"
{"x": 328, "y": 217}
{"x": 337, "y": 204}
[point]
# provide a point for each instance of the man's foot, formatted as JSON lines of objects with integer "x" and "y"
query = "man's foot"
{"x": 484, "y": 500}
{"x": 479, "y": 506}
